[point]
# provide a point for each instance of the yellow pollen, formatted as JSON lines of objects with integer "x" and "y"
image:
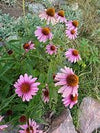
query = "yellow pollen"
{"x": 29, "y": 129}
{"x": 52, "y": 47}
{"x": 72, "y": 31}
{"x": 74, "y": 98}
{"x": 46, "y": 93}
{"x": 75, "y": 23}
{"x": 25, "y": 88}
{"x": 61, "y": 13}
{"x": 50, "y": 12}
{"x": 72, "y": 80}
{"x": 26, "y": 46}
{"x": 46, "y": 31}
{"x": 75, "y": 52}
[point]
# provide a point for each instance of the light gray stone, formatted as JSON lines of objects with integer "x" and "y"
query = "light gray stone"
{"x": 36, "y": 7}
{"x": 66, "y": 126}
{"x": 89, "y": 116}
{"x": 60, "y": 2}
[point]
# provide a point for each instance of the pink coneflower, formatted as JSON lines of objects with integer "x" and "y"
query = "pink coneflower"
{"x": 72, "y": 24}
{"x": 26, "y": 87}
{"x": 45, "y": 94}
{"x": 10, "y": 52}
{"x": 30, "y": 127}
{"x": 72, "y": 55}
{"x": 49, "y": 15}
{"x": 61, "y": 16}
{"x": 51, "y": 49}
{"x": 70, "y": 100}
{"x": 28, "y": 46}
{"x": 9, "y": 112}
{"x": 2, "y": 127}
{"x": 43, "y": 34}
{"x": 23, "y": 119}
{"x": 71, "y": 33}
{"x": 68, "y": 80}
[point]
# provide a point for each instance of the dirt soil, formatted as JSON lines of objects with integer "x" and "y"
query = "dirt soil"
{"x": 15, "y": 11}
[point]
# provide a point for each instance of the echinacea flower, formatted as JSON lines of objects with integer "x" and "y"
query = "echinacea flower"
{"x": 72, "y": 24}
{"x": 9, "y": 112}
{"x": 28, "y": 46}
{"x": 23, "y": 119}
{"x": 70, "y": 100}
{"x": 43, "y": 34}
{"x": 45, "y": 94}
{"x": 61, "y": 16}
{"x": 10, "y": 52}
{"x": 71, "y": 33}
{"x": 26, "y": 87}
{"x": 72, "y": 55}
{"x": 49, "y": 15}
{"x": 30, "y": 127}
{"x": 68, "y": 81}
{"x": 2, "y": 127}
{"x": 51, "y": 49}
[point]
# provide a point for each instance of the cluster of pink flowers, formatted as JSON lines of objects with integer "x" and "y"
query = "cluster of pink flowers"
{"x": 71, "y": 30}
{"x": 27, "y": 87}
{"x": 68, "y": 81}
{"x": 52, "y": 17}
{"x": 44, "y": 33}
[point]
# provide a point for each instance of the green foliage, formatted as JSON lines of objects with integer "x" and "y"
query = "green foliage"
{"x": 7, "y": 25}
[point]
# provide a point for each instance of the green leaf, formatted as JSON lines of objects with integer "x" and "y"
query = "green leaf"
{"x": 5, "y": 68}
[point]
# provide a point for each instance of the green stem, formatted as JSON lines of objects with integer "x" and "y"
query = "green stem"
{"x": 24, "y": 8}
{"x": 24, "y": 14}
{"x": 9, "y": 101}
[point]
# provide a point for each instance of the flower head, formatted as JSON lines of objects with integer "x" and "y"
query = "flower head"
{"x": 30, "y": 127}
{"x": 71, "y": 33}
{"x": 28, "y": 46}
{"x": 9, "y": 113}
{"x": 68, "y": 80}
{"x": 72, "y": 24}
{"x": 70, "y": 100}
{"x": 72, "y": 55}
{"x": 10, "y": 52}
{"x": 23, "y": 119}
{"x": 51, "y": 49}
{"x": 2, "y": 127}
{"x": 49, "y": 15}
{"x": 61, "y": 16}
{"x": 45, "y": 94}
{"x": 43, "y": 34}
{"x": 26, "y": 87}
